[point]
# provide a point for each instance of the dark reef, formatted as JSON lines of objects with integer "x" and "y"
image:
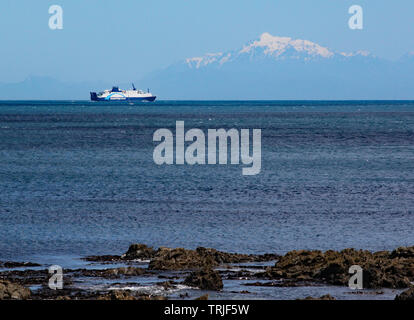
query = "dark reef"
{"x": 206, "y": 268}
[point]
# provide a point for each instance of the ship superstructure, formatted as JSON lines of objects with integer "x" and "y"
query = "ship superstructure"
{"x": 116, "y": 94}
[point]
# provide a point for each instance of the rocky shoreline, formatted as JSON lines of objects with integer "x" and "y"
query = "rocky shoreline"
{"x": 206, "y": 269}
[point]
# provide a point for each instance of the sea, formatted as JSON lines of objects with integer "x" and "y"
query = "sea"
{"x": 78, "y": 178}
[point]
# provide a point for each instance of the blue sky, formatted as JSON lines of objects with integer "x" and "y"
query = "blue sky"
{"x": 126, "y": 39}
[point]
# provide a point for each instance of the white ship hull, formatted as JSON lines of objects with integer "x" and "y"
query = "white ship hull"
{"x": 122, "y": 95}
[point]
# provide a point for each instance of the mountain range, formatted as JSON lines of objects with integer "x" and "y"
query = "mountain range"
{"x": 269, "y": 67}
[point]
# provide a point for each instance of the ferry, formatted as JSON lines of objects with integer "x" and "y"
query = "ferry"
{"x": 115, "y": 94}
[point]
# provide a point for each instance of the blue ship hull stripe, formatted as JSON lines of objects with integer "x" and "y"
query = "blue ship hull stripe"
{"x": 126, "y": 99}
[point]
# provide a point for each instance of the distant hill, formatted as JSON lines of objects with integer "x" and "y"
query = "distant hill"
{"x": 46, "y": 88}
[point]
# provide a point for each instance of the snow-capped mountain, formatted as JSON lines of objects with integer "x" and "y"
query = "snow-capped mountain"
{"x": 278, "y": 47}
{"x": 273, "y": 67}
{"x": 273, "y": 47}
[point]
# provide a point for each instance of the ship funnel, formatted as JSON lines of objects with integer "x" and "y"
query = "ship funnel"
{"x": 133, "y": 87}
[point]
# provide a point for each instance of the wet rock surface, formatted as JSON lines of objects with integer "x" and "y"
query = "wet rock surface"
{"x": 324, "y": 297}
{"x": 71, "y": 294}
{"x": 205, "y": 279}
{"x": 380, "y": 269}
{"x": 127, "y": 295}
{"x": 139, "y": 251}
{"x": 106, "y": 258}
{"x": 108, "y": 273}
{"x": 14, "y": 264}
{"x": 13, "y": 291}
{"x": 183, "y": 259}
{"x": 25, "y": 277}
{"x": 407, "y": 295}
{"x": 279, "y": 284}
{"x": 179, "y": 258}
{"x": 206, "y": 269}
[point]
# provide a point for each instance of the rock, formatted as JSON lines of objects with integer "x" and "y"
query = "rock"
{"x": 380, "y": 270}
{"x": 118, "y": 295}
{"x": 334, "y": 272}
{"x": 264, "y": 257}
{"x": 149, "y": 297}
{"x": 179, "y": 259}
{"x": 205, "y": 279}
{"x": 407, "y": 295}
{"x": 109, "y": 273}
{"x": 183, "y": 259}
{"x": 403, "y": 252}
{"x": 125, "y": 271}
{"x": 283, "y": 284}
{"x": 139, "y": 251}
{"x": 13, "y": 264}
{"x": 166, "y": 285}
{"x": 221, "y": 257}
{"x": 13, "y": 291}
{"x": 127, "y": 295}
{"x": 26, "y": 277}
{"x": 203, "y": 297}
{"x": 106, "y": 258}
{"x": 325, "y": 297}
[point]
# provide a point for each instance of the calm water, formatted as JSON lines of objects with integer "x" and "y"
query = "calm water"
{"x": 78, "y": 178}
